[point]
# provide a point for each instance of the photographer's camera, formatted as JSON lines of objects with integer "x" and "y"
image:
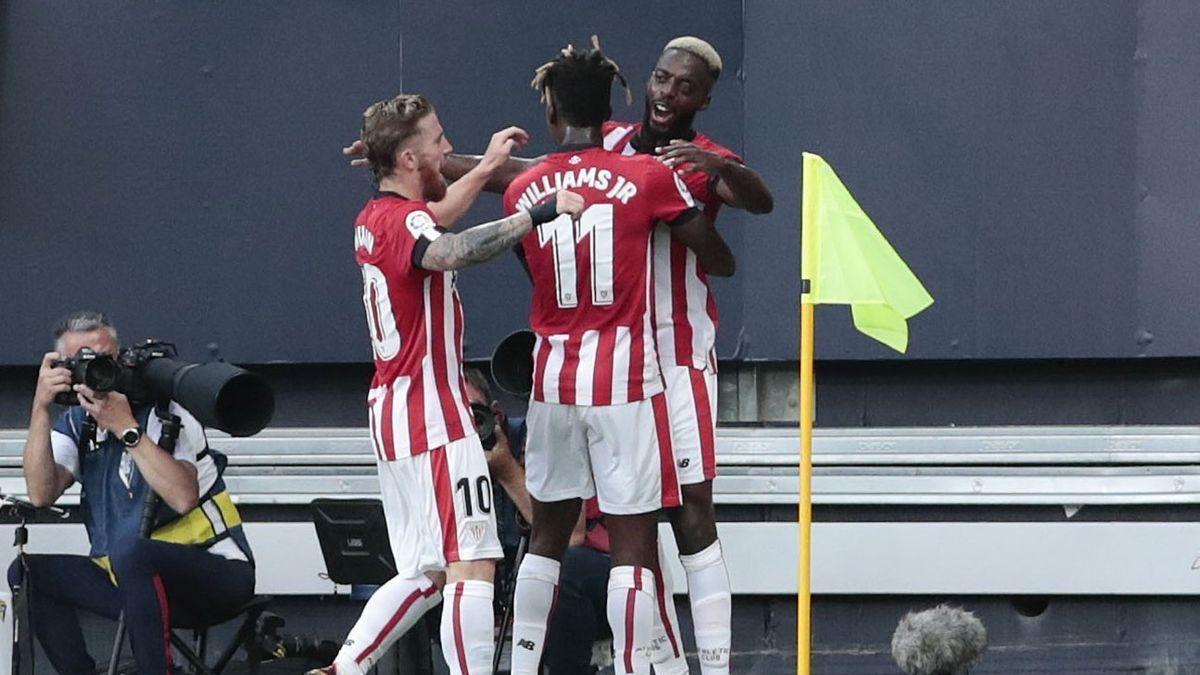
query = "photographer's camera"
{"x": 101, "y": 372}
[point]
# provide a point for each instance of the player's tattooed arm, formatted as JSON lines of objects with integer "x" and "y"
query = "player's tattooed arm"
{"x": 454, "y": 251}
{"x": 694, "y": 230}
{"x": 455, "y": 167}
{"x": 477, "y": 244}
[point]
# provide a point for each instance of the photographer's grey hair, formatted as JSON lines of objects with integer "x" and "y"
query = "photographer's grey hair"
{"x": 82, "y": 322}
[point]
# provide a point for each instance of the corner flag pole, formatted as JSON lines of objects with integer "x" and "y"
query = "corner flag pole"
{"x": 804, "y": 609}
{"x": 807, "y": 273}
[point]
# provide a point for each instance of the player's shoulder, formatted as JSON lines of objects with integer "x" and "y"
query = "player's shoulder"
{"x": 616, "y": 133}
{"x": 387, "y": 210}
{"x": 709, "y": 144}
{"x": 522, "y": 180}
{"x": 615, "y": 125}
{"x": 647, "y": 165}
{"x": 399, "y": 206}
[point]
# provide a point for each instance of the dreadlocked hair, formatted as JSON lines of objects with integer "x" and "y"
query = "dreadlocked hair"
{"x": 580, "y": 82}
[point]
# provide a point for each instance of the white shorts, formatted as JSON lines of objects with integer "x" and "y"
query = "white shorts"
{"x": 692, "y": 399}
{"x": 621, "y": 454}
{"x": 438, "y": 506}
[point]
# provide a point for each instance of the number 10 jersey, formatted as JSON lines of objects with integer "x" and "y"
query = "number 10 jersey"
{"x": 591, "y": 307}
{"x": 417, "y": 400}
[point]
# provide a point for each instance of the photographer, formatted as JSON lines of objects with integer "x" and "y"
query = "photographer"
{"x": 504, "y": 449}
{"x": 196, "y": 563}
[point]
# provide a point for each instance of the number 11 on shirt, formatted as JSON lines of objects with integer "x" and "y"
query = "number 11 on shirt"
{"x": 564, "y": 234}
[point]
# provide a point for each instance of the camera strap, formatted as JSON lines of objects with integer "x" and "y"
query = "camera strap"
{"x": 87, "y": 435}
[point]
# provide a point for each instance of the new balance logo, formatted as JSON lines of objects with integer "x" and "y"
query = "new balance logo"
{"x": 683, "y": 463}
{"x": 526, "y": 644}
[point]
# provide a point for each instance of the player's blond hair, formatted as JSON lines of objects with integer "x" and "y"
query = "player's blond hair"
{"x": 387, "y": 125}
{"x": 701, "y": 49}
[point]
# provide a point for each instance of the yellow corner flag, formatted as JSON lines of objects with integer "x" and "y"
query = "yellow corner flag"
{"x": 848, "y": 262}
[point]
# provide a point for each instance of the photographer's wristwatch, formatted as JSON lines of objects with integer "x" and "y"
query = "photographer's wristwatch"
{"x": 131, "y": 437}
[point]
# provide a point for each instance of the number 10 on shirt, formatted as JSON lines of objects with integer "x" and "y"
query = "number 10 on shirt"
{"x": 563, "y": 234}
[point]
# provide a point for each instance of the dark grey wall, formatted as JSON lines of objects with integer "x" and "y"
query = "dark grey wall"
{"x": 177, "y": 164}
{"x": 1032, "y": 160}
{"x": 992, "y": 142}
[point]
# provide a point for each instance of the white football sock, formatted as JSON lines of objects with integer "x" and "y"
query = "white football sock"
{"x": 533, "y": 602}
{"x": 666, "y": 647}
{"x": 392, "y": 610}
{"x": 467, "y": 627}
{"x": 631, "y": 608}
{"x": 712, "y": 604}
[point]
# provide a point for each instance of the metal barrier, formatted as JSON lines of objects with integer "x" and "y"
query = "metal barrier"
{"x": 970, "y": 466}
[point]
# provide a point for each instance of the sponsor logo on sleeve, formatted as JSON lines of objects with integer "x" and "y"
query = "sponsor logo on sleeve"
{"x": 420, "y": 224}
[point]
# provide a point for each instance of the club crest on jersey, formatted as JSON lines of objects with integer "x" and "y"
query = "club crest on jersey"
{"x": 421, "y": 225}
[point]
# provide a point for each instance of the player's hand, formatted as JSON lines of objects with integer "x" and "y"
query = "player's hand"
{"x": 50, "y": 381}
{"x": 357, "y": 151}
{"x": 569, "y": 203}
{"x": 500, "y": 460}
{"x": 502, "y": 145}
{"x": 110, "y": 409}
{"x": 685, "y": 157}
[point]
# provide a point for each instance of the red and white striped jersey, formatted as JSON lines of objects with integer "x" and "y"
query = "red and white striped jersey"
{"x": 685, "y": 311}
{"x": 591, "y": 280}
{"x": 418, "y": 399}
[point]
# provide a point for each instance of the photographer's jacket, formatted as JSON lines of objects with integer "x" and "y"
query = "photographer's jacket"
{"x": 114, "y": 490}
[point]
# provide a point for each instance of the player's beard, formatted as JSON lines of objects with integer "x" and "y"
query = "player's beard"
{"x": 433, "y": 186}
{"x": 681, "y": 127}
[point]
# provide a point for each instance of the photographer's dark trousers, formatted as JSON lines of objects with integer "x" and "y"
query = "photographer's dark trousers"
{"x": 580, "y": 613}
{"x": 157, "y": 580}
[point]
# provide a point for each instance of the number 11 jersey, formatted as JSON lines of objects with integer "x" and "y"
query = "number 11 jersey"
{"x": 591, "y": 307}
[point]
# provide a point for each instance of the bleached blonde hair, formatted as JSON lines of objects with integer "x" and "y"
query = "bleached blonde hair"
{"x": 701, "y": 50}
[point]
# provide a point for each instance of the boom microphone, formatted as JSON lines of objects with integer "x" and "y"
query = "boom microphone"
{"x": 944, "y": 640}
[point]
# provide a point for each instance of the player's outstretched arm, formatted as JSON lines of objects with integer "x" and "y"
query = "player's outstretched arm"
{"x": 736, "y": 184}
{"x": 463, "y": 192}
{"x": 455, "y": 167}
{"x": 694, "y": 230}
{"x": 742, "y": 188}
{"x": 454, "y": 251}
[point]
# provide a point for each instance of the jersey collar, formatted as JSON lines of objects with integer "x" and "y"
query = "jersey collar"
{"x": 380, "y": 194}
